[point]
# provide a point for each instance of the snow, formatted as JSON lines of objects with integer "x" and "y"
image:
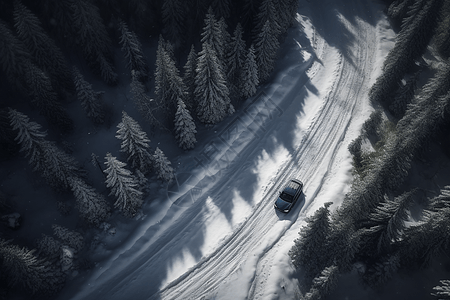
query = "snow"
{"x": 218, "y": 236}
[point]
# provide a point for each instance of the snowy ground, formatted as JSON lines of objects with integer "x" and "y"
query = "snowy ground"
{"x": 215, "y": 233}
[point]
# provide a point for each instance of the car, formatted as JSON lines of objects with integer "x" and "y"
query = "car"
{"x": 289, "y": 196}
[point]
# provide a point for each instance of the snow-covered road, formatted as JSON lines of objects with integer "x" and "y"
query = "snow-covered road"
{"x": 230, "y": 243}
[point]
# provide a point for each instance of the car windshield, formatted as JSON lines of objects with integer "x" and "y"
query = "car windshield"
{"x": 286, "y": 197}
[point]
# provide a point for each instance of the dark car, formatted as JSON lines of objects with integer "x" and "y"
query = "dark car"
{"x": 289, "y": 196}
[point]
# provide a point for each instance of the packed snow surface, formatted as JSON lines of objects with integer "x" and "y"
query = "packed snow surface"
{"x": 217, "y": 235}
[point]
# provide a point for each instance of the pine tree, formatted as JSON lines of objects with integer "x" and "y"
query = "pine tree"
{"x": 383, "y": 270}
{"x": 22, "y": 267}
{"x": 236, "y": 60}
{"x": 123, "y": 186}
{"x": 173, "y": 15}
{"x": 267, "y": 13}
{"x": 324, "y": 283}
{"x": 404, "y": 96}
{"x": 133, "y": 51}
{"x": 135, "y": 144}
{"x": 49, "y": 248}
{"x": 55, "y": 165}
{"x": 443, "y": 290}
{"x": 168, "y": 83}
{"x": 213, "y": 34}
{"x": 93, "y": 39}
{"x": 14, "y": 58}
{"x": 211, "y": 91}
{"x": 386, "y": 223}
{"x": 46, "y": 54}
{"x": 68, "y": 237}
{"x": 45, "y": 98}
{"x": 93, "y": 207}
{"x": 162, "y": 166}
{"x": 308, "y": 250}
{"x": 189, "y": 78}
{"x": 143, "y": 102}
{"x": 249, "y": 77}
{"x": 184, "y": 127}
{"x": 89, "y": 99}
{"x": 266, "y": 47}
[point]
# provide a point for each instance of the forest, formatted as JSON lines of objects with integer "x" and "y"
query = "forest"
{"x": 210, "y": 56}
{"x": 386, "y": 225}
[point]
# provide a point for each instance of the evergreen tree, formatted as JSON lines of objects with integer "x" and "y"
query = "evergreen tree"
{"x": 89, "y": 99}
{"x": 45, "y": 98}
{"x": 308, "y": 252}
{"x": 168, "y": 83}
{"x": 442, "y": 35}
{"x": 173, "y": 15}
{"x": 412, "y": 40}
{"x": 267, "y": 45}
{"x": 14, "y": 58}
{"x": 162, "y": 166}
{"x": 93, "y": 207}
{"x": 135, "y": 144}
{"x": 93, "y": 39}
{"x": 55, "y": 165}
{"x": 133, "y": 51}
{"x": 267, "y": 13}
{"x": 386, "y": 224}
{"x": 382, "y": 271}
{"x": 249, "y": 77}
{"x": 123, "y": 186}
{"x": 68, "y": 237}
{"x": 143, "y": 102}
{"x": 442, "y": 291}
{"x": 22, "y": 267}
{"x": 189, "y": 78}
{"x": 46, "y": 54}
{"x": 214, "y": 35}
{"x": 235, "y": 60}
{"x": 211, "y": 91}
{"x": 184, "y": 127}
{"x": 323, "y": 284}
{"x": 49, "y": 248}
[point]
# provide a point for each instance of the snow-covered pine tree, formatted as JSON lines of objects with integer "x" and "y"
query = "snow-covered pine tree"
{"x": 382, "y": 271}
{"x": 266, "y": 47}
{"x": 184, "y": 127}
{"x": 267, "y": 13}
{"x": 442, "y": 291}
{"x": 249, "y": 11}
{"x": 53, "y": 164}
{"x": 168, "y": 83}
{"x": 162, "y": 166}
{"x": 135, "y": 144}
{"x": 22, "y": 267}
{"x": 211, "y": 91}
{"x": 213, "y": 34}
{"x": 14, "y": 57}
{"x": 68, "y": 237}
{"x": 123, "y": 186}
{"x": 89, "y": 99}
{"x": 309, "y": 251}
{"x": 92, "y": 37}
{"x": 386, "y": 224}
{"x": 45, "y": 98}
{"x": 173, "y": 14}
{"x": 235, "y": 61}
{"x": 249, "y": 76}
{"x": 46, "y": 54}
{"x": 189, "y": 78}
{"x": 323, "y": 284}
{"x": 92, "y": 206}
{"x": 133, "y": 51}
